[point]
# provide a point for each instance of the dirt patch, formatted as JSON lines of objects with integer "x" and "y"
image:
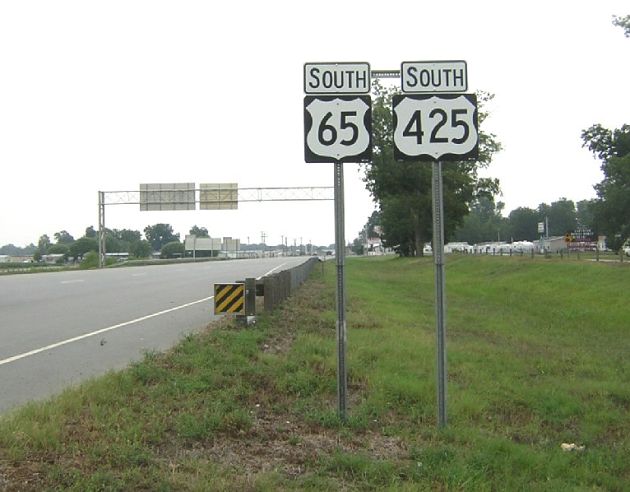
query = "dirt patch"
{"x": 275, "y": 443}
{"x": 21, "y": 476}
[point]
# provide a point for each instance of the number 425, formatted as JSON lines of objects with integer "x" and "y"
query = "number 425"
{"x": 441, "y": 117}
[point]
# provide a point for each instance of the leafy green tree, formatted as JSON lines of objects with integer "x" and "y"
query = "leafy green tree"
{"x": 90, "y": 232}
{"x": 174, "y": 249}
{"x": 112, "y": 244}
{"x": 398, "y": 220}
{"x": 624, "y": 23}
{"x": 612, "y": 208}
{"x": 403, "y": 189}
{"x": 372, "y": 228}
{"x": 121, "y": 239}
{"x": 43, "y": 244}
{"x": 90, "y": 260}
{"x": 524, "y": 224}
{"x": 585, "y": 214}
{"x": 81, "y": 246}
{"x": 561, "y": 216}
{"x": 127, "y": 235}
{"x": 357, "y": 246}
{"x": 159, "y": 235}
{"x": 199, "y": 231}
{"x": 13, "y": 250}
{"x": 59, "y": 249}
{"x": 63, "y": 237}
{"x": 140, "y": 249}
{"x": 484, "y": 223}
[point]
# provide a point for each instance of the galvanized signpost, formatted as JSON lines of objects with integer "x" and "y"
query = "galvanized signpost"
{"x": 337, "y": 129}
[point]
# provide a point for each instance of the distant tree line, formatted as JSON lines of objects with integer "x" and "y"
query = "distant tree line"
{"x": 157, "y": 237}
{"x": 485, "y": 222}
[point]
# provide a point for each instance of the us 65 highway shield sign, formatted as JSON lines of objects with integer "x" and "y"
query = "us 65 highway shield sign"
{"x": 337, "y": 128}
{"x": 435, "y": 127}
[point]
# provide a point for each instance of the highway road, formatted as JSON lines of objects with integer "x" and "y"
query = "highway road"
{"x": 57, "y": 329}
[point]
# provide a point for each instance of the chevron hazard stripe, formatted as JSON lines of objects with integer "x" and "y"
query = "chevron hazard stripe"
{"x": 229, "y": 298}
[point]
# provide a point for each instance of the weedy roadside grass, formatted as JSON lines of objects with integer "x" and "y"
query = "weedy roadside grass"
{"x": 538, "y": 355}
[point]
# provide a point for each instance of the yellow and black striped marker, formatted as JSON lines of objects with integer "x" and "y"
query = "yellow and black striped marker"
{"x": 229, "y": 298}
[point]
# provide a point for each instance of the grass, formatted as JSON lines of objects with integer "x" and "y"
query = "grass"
{"x": 537, "y": 356}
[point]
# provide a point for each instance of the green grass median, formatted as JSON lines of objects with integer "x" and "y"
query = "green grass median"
{"x": 538, "y": 356}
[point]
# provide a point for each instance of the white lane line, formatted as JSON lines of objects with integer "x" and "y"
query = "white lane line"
{"x": 98, "y": 332}
{"x": 77, "y": 281}
{"x": 138, "y": 274}
{"x": 271, "y": 271}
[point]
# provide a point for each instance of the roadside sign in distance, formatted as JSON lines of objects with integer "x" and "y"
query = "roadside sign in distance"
{"x": 435, "y": 127}
{"x": 337, "y": 128}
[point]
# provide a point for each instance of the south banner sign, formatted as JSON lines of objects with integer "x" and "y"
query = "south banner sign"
{"x": 337, "y": 128}
{"x": 435, "y": 127}
{"x": 337, "y": 78}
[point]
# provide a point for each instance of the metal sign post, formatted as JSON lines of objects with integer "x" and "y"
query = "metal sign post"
{"x": 340, "y": 242}
{"x": 440, "y": 298}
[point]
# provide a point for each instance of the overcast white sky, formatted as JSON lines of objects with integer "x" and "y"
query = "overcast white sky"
{"x": 110, "y": 94}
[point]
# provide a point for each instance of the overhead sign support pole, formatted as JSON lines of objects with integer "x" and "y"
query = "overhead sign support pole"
{"x": 342, "y": 377}
{"x": 101, "y": 229}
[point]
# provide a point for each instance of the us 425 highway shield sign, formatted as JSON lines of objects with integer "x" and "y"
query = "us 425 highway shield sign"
{"x": 435, "y": 127}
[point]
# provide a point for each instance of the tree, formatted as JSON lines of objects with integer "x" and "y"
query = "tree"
{"x": 624, "y": 23}
{"x": 120, "y": 240}
{"x": 524, "y": 224}
{"x": 81, "y": 246}
{"x": 585, "y": 214}
{"x": 561, "y": 216}
{"x": 43, "y": 244}
{"x": 403, "y": 189}
{"x": 373, "y": 226}
{"x": 140, "y": 249}
{"x": 13, "y": 250}
{"x": 398, "y": 219}
{"x": 160, "y": 234}
{"x": 612, "y": 208}
{"x": 90, "y": 232}
{"x": 63, "y": 237}
{"x": 484, "y": 223}
{"x": 58, "y": 249}
{"x": 357, "y": 246}
{"x": 199, "y": 231}
{"x": 127, "y": 235}
{"x": 174, "y": 249}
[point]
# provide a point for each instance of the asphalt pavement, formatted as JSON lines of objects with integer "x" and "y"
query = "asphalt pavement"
{"x": 58, "y": 329}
